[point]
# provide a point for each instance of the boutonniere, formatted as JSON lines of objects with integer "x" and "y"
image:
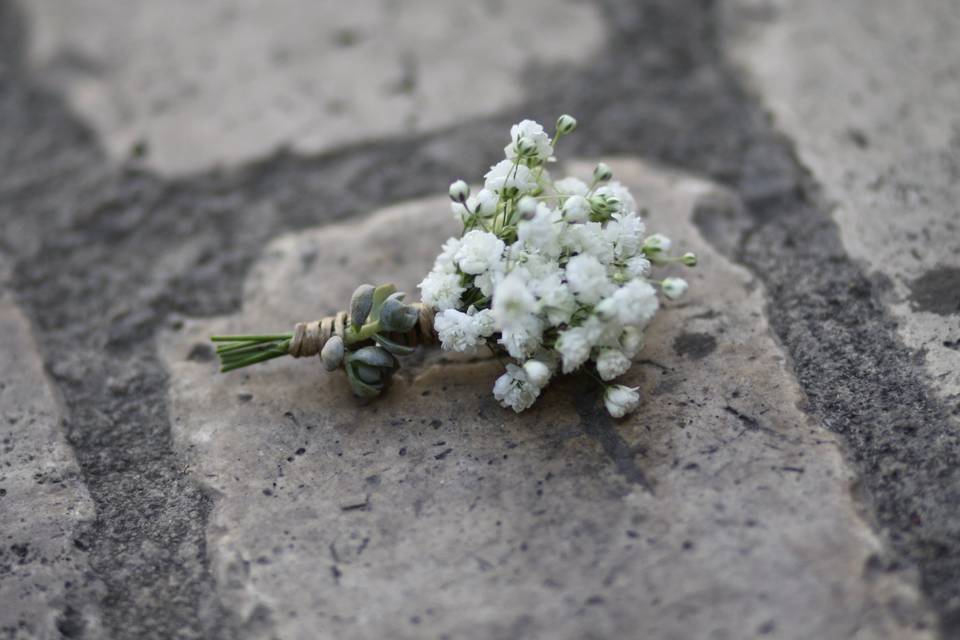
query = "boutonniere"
{"x": 551, "y": 275}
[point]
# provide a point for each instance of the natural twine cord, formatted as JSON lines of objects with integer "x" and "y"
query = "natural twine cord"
{"x": 309, "y": 337}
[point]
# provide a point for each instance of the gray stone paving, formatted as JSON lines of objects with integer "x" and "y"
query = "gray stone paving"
{"x": 860, "y": 89}
{"x": 792, "y": 474}
{"x": 730, "y": 514}
{"x": 44, "y": 501}
{"x": 199, "y": 83}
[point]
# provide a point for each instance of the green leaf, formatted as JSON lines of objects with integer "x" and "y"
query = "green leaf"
{"x": 361, "y": 388}
{"x": 395, "y": 348}
{"x": 380, "y": 294}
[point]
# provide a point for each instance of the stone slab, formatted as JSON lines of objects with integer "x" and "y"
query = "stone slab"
{"x": 201, "y": 83}
{"x": 868, "y": 91}
{"x": 43, "y": 501}
{"x": 717, "y": 510}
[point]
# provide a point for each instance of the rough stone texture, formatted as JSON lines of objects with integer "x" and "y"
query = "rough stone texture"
{"x": 718, "y": 510}
{"x": 44, "y": 504}
{"x": 868, "y": 92}
{"x": 197, "y": 83}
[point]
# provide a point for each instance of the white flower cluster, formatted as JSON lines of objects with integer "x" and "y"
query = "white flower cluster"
{"x": 556, "y": 273}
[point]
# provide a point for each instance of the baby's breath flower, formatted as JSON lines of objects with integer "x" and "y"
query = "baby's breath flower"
{"x": 553, "y": 273}
{"x": 657, "y": 243}
{"x": 571, "y": 187}
{"x": 479, "y": 251}
{"x": 631, "y": 341}
{"x": 514, "y": 390}
{"x": 674, "y": 288}
{"x": 527, "y": 207}
{"x": 566, "y": 124}
{"x": 509, "y": 177}
{"x": 587, "y": 278}
{"x": 620, "y": 400}
{"x": 574, "y": 348}
{"x": 441, "y": 290}
{"x": 528, "y": 140}
{"x": 459, "y": 191}
{"x": 464, "y": 332}
{"x": 576, "y": 209}
{"x": 612, "y": 363}
{"x": 602, "y": 172}
{"x": 537, "y": 372}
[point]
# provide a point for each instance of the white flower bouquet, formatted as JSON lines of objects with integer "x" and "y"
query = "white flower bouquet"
{"x": 554, "y": 274}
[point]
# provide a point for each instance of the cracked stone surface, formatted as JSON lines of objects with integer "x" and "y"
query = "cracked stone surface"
{"x": 201, "y": 83}
{"x": 44, "y": 503}
{"x": 718, "y": 510}
{"x": 868, "y": 91}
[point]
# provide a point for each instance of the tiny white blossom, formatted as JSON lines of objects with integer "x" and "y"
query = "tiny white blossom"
{"x": 631, "y": 341}
{"x": 574, "y": 348}
{"x": 625, "y": 233}
{"x": 576, "y": 209}
{"x": 636, "y": 302}
{"x": 638, "y": 267}
{"x": 512, "y": 301}
{"x": 535, "y": 135}
{"x": 521, "y": 340}
{"x": 621, "y": 400}
{"x": 587, "y": 278}
{"x": 441, "y": 289}
{"x": 527, "y": 207}
{"x": 444, "y": 261}
{"x": 559, "y": 303}
{"x": 514, "y": 390}
{"x": 463, "y": 332}
{"x": 507, "y": 175}
{"x": 571, "y": 187}
{"x": 541, "y": 233}
{"x": 612, "y": 363}
{"x": 621, "y": 193}
{"x": 588, "y": 238}
{"x": 479, "y": 251}
{"x": 673, "y": 288}
{"x": 537, "y": 372}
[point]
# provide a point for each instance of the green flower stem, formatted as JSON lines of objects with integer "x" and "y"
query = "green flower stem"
{"x": 366, "y": 332}
{"x": 241, "y": 351}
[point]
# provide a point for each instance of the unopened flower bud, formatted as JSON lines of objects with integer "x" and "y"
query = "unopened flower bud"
{"x": 538, "y": 374}
{"x": 526, "y": 147}
{"x": 527, "y": 207}
{"x": 602, "y": 173}
{"x": 459, "y": 191}
{"x": 690, "y": 259}
{"x": 657, "y": 243}
{"x": 673, "y": 288}
{"x": 566, "y": 124}
{"x": 332, "y": 353}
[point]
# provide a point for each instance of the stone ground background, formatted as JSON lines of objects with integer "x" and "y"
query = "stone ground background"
{"x": 174, "y": 168}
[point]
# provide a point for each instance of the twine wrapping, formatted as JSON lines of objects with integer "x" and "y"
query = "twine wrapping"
{"x": 310, "y": 337}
